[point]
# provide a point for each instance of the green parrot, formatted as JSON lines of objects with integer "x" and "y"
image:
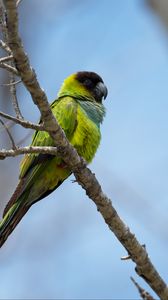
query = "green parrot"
{"x": 79, "y": 111}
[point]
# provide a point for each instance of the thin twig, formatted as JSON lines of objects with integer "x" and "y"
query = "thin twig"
{"x": 145, "y": 295}
{"x": 11, "y": 64}
{"x": 6, "y": 58}
{"x": 27, "y": 150}
{"x": 3, "y": 21}
{"x": 9, "y": 134}
{"x": 25, "y": 124}
{"x": 5, "y": 47}
{"x": 126, "y": 257}
{"x": 11, "y": 83}
{"x": 9, "y": 68}
{"x": 14, "y": 97}
{"x": 8, "y": 124}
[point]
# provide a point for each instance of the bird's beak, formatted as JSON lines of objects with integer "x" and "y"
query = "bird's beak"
{"x": 101, "y": 90}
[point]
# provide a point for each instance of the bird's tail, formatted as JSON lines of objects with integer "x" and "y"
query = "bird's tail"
{"x": 11, "y": 219}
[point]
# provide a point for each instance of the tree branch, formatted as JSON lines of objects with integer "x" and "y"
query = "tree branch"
{"x": 5, "y": 47}
{"x": 25, "y": 150}
{"x": 11, "y": 63}
{"x": 84, "y": 176}
{"x": 23, "y": 123}
{"x": 11, "y": 83}
{"x": 9, "y": 125}
{"x": 14, "y": 97}
{"x": 9, "y": 68}
{"x": 145, "y": 295}
{"x": 9, "y": 134}
{"x": 6, "y": 58}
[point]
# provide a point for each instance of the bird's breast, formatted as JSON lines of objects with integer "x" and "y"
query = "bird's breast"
{"x": 86, "y": 137}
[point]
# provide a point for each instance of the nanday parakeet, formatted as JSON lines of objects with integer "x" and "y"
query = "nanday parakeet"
{"x": 79, "y": 111}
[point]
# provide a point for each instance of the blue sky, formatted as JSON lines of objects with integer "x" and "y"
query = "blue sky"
{"x": 62, "y": 248}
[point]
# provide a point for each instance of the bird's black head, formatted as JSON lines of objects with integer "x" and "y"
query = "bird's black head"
{"x": 93, "y": 83}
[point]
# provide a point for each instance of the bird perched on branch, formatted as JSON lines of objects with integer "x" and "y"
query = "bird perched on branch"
{"x": 79, "y": 111}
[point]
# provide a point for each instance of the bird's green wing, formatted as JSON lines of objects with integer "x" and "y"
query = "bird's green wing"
{"x": 65, "y": 110}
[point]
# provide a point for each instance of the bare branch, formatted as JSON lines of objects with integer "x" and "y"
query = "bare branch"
{"x": 145, "y": 295}
{"x": 11, "y": 83}
{"x": 5, "y": 47}
{"x": 9, "y": 134}
{"x": 14, "y": 97}
{"x": 126, "y": 257}
{"x": 26, "y": 150}
{"x": 2, "y": 60}
{"x": 25, "y": 124}
{"x": 3, "y": 20}
{"x": 9, "y": 68}
{"x": 7, "y": 58}
{"x": 11, "y": 64}
{"x": 83, "y": 175}
{"x": 8, "y": 124}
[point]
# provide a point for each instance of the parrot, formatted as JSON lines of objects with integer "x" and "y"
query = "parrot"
{"x": 79, "y": 110}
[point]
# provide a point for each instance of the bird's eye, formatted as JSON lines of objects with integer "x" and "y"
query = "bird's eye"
{"x": 87, "y": 82}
